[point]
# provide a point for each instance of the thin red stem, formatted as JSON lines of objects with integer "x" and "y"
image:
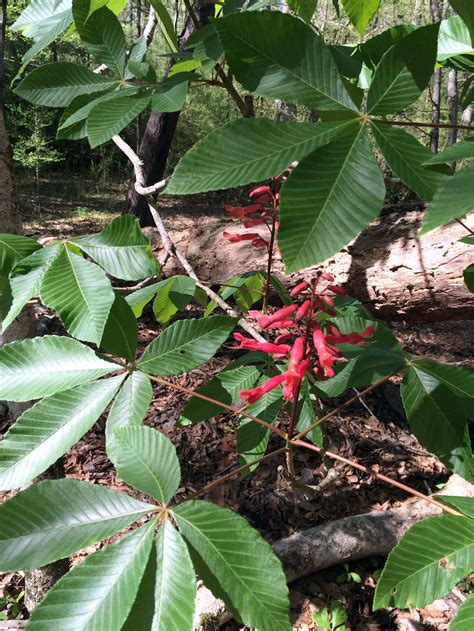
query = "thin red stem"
{"x": 270, "y": 255}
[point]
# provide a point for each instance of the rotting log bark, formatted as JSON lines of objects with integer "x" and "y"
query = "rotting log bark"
{"x": 358, "y": 537}
{"x": 397, "y": 275}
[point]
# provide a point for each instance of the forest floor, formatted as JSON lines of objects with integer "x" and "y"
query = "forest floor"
{"x": 373, "y": 432}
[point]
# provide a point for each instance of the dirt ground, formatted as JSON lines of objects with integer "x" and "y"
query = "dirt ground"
{"x": 373, "y": 432}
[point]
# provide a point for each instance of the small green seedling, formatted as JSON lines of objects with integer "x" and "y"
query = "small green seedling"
{"x": 331, "y": 619}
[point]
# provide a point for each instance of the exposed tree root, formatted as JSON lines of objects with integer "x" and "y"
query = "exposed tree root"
{"x": 340, "y": 541}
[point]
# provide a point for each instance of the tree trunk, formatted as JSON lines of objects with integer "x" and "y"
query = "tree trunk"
{"x": 452, "y": 105}
{"x": 435, "y": 88}
{"x": 466, "y": 117}
{"x": 160, "y": 130}
{"x": 38, "y": 582}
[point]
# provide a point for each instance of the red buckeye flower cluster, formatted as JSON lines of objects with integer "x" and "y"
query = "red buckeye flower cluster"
{"x": 303, "y": 338}
{"x": 262, "y": 211}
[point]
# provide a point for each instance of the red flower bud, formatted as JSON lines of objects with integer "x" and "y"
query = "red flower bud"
{"x": 235, "y": 238}
{"x": 339, "y": 291}
{"x": 254, "y": 394}
{"x": 259, "y": 190}
{"x": 298, "y": 289}
{"x": 250, "y": 223}
{"x": 303, "y": 309}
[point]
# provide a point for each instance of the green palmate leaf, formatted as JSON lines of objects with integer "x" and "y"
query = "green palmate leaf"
{"x": 170, "y": 96}
{"x": 120, "y": 336}
{"x": 140, "y": 298}
{"x": 74, "y": 119}
{"x": 236, "y": 563}
{"x": 459, "y": 380}
{"x": 47, "y": 430}
{"x": 465, "y": 9}
{"x": 13, "y": 248}
{"x": 130, "y": 406}
{"x": 42, "y": 366}
{"x": 464, "y": 618}
{"x": 454, "y": 39}
{"x": 26, "y": 279}
{"x": 403, "y": 72}
{"x": 304, "y": 8}
{"x": 360, "y": 12}
{"x": 459, "y": 151}
{"x": 438, "y": 420}
{"x": 81, "y": 294}
{"x": 44, "y": 21}
{"x": 98, "y": 593}
{"x": 186, "y": 345}
{"x": 252, "y": 438}
{"x": 143, "y": 608}
{"x": 109, "y": 118}
{"x": 32, "y": 19}
{"x": 429, "y": 560}
{"x": 328, "y": 199}
{"x": 175, "y": 589}
{"x": 166, "y": 25}
{"x": 173, "y": 296}
{"x": 121, "y": 249}
{"x": 468, "y": 275}
{"x": 246, "y": 288}
{"x": 53, "y": 519}
{"x": 102, "y": 35}
{"x": 464, "y": 504}
{"x": 379, "y": 357}
{"x": 147, "y": 460}
{"x": 223, "y": 387}
{"x": 248, "y": 150}
{"x": 405, "y": 155}
{"x": 57, "y": 84}
{"x": 206, "y": 45}
{"x": 276, "y": 66}
{"x": 453, "y": 199}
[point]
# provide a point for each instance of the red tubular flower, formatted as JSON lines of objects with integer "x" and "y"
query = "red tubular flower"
{"x": 327, "y": 355}
{"x": 278, "y": 351}
{"x": 339, "y": 291}
{"x": 335, "y": 337}
{"x": 326, "y": 276}
{"x": 250, "y": 223}
{"x": 283, "y": 337}
{"x": 235, "y": 238}
{"x": 239, "y": 212}
{"x": 254, "y": 394}
{"x": 303, "y": 309}
{"x": 259, "y": 190}
{"x": 298, "y": 289}
{"x": 266, "y": 321}
{"x": 296, "y": 369}
{"x": 293, "y": 380}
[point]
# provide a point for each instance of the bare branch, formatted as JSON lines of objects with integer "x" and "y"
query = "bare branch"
{"x": 170, "y": 249}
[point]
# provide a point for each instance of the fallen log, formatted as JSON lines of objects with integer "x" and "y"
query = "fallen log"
{"x": 358, "y": 537}
{"x": 396, "y": 274}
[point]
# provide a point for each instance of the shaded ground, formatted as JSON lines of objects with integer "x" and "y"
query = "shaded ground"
{"x": 373, "y": 432}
